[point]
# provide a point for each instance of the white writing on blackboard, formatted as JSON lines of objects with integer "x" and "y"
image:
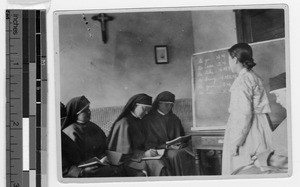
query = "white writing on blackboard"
{"x": 212, "y": 73}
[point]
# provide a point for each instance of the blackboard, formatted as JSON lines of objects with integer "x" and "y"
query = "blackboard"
{"x": 212, "y": 79}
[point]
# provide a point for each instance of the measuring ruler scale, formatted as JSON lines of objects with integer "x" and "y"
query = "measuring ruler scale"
{"x": 26, "y": 98}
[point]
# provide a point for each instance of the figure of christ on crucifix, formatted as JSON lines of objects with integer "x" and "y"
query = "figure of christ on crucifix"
{"x": 103, "y": 18}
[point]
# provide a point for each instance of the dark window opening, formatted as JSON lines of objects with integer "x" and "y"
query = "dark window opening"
{"x": 259, "y": 24}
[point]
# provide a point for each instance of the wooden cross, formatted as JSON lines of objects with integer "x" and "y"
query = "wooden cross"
{"x": 103, "y": 18}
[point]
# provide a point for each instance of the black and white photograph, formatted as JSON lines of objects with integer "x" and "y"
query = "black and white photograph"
{"x": 173, "y": 93}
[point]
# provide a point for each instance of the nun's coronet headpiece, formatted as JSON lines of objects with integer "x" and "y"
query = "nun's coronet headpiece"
{"x": 166, "y": 96}
{"x": 142, "y": 99}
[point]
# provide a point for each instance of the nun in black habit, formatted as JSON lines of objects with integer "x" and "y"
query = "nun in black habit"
{"x": 81, "y": 140}
{"x": 128, "y": 137}
{"x": 163, "y": 125}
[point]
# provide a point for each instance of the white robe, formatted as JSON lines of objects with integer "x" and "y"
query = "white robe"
{"x": 279, "y": 156}
{"x": 248, "y": 125}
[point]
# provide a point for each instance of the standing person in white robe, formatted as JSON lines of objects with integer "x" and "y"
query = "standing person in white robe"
{"x": 276, "y": 159}
{"x": 248, "y": 129}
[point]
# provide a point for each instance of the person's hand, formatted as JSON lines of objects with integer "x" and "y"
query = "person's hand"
{"x": 151, "y": 153}
{"x": 236, "y": 151}
{"x": 104, "y": 160}
{"x": 175, "y": 146}
{"x": 89, "y": 170}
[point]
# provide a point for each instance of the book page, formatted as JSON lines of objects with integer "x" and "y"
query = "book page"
{"x": 178, "y": 139}
{"x": 93, "y": 161}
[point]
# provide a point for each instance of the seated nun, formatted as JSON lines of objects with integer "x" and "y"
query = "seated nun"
{"x": 163, "y": 125}
{"x": 128, "y": 137}
{"x": 274, "y": 160}
{"x": 82, "y": 140}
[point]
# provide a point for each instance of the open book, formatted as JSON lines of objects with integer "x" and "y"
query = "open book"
{"x": 160, "y": 152}
{"x": 179, "y": 139}
{"x": 93, "y": 162}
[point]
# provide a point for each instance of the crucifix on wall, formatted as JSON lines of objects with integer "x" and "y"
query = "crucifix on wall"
{"x": 103, "y": 18}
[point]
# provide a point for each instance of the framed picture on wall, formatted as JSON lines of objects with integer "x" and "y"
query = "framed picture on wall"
{"x": 161, "y": 54}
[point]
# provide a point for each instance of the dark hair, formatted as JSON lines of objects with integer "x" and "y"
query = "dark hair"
{"x": 243, "y": 52}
